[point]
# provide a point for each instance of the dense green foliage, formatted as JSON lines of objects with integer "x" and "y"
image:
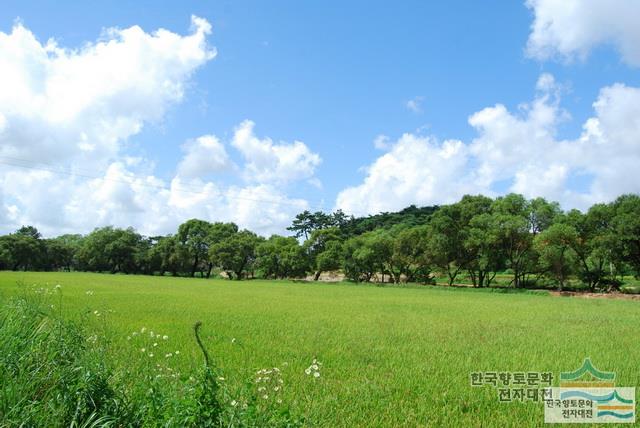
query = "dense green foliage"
{"x": 391, "y": 356}
{"x": 470, "y": 241}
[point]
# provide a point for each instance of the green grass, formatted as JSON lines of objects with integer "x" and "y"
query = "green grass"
{"x": 392, "y": 356}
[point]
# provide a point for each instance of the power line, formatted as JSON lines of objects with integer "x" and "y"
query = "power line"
{"x": 56, "y": 169}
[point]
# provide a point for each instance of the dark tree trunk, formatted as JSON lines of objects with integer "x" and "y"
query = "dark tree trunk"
{"x": 194, "y": 267}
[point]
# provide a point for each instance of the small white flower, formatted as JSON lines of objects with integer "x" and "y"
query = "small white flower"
{"x": 155, "y": 344}
{"x": 177, "y": 352}
{"x": 277, "y": 388}
{"x": 234, "y": 403}
{"x": 220, "y": 378}
{"x": 165, "y": 337}
{"x": 233, "y": 340}
{"x": 143, "y": 329}
{"x": 135, "y": 333}
{"x": 58, "y": 287}
{"x": 150, "y": 354}
{"x": 279, "y": 401}
{"x": 143, "y": 350}
{"x": 265, "y": 396}
{"x": 89, "y": 293}
{"x": 169, "y": 355}
{"x": 151, "y": 333}
{"x": 308, "y": 371}
{"x": 316, "y": 374}
{"x": 315, "y": 367}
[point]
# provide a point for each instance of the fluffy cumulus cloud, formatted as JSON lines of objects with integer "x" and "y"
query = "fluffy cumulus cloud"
{"x": 415, "y": 170}
{"x": 267, "y": 161}
{"x": 204, "y": 155}
{"x": 518, "y": 148}
{"x": 79, "y": 104}
{"x": 572, "y": 28}
{"x": 66, "y": 120}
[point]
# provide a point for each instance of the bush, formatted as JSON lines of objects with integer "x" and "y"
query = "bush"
{"x": 631, "y": 289}
{"x": 48, "y": 375}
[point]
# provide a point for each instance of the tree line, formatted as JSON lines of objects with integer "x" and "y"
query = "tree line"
{"x": 533, "y": 242}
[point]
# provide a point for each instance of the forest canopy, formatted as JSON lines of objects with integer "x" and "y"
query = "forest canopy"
{"x": 476, "y": 241}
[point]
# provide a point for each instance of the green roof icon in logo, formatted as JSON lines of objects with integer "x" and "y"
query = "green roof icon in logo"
{"x": 587, "y": 367}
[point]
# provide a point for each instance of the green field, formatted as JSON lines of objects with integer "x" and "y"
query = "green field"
{"x": 391, "y": 356}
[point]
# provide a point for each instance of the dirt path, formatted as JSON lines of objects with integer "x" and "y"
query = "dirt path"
{"x": 596, "y": 295}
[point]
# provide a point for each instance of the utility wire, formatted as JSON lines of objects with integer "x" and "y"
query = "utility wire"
{"x": 55, "y": 169}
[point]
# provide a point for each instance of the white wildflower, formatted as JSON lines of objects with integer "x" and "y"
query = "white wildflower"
{"x": 316, "y": 374}
{"x": 234, "y": 403}
{"x": 165, "y": 337}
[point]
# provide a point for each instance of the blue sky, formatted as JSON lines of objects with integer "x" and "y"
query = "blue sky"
{"x": 336, "y": 75}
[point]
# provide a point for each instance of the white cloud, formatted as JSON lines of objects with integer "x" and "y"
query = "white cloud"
{"x": 75, "y": 110}
{"x": 61, "y": 104}
{"x": 520, "y": 148}
{"x": 416, "y": 170}
{"x": 415, "y": 104}
{"x": 267, "y": 161}
{"x": 204, "y": 155}
{"x": 508, "y": 142}
{"x": 570, "y": 29}
{"x": 122, "y": 198}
